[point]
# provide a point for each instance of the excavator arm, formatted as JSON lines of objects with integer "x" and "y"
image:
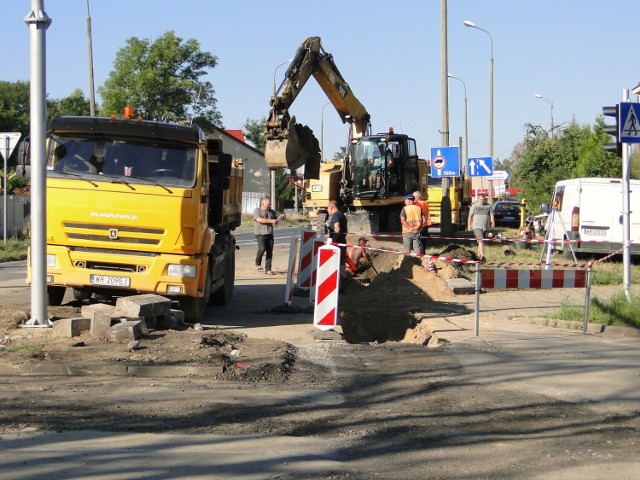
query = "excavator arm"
{"x": 292, "y": 145}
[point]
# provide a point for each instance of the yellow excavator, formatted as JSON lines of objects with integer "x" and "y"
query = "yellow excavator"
{"x": 378, "y": 171}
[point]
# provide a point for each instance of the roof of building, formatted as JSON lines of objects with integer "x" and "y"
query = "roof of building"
{"x": 236, "y": 134}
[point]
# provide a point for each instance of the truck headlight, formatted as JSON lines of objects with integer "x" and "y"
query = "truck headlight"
{"x": 182, "y": 271}
{"x": 51, "y": 260}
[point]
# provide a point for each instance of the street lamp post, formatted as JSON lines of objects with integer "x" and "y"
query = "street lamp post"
{"x": 273, "y": 173}
{"x": 322, "y": 132}
{"x": 469, "y": 23}
{"x": 537, "y": 95}
{"x": 466, "y": 131}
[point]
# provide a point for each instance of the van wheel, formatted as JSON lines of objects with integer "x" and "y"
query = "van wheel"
{"x": 55, "y": 295}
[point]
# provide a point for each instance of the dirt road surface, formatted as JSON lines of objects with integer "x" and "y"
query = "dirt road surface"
{"x": 257, "y": 394}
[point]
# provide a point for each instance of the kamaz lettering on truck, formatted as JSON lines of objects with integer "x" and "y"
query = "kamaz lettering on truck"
{"x": 140, "y": 207}
{"x": 589, "y": 214}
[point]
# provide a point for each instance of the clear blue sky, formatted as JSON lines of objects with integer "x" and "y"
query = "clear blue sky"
{"x": 580, "y": 54}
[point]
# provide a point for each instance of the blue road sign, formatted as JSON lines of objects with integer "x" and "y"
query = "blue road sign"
{"x": 445, "y": 162}
{"x": 629, "y": 123}
{"x": 480, "y": 167}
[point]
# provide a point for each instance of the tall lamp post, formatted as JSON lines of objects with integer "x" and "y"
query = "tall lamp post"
{"x": 466, "y": 131}
{"x": 273, "y": 173}
{"x": 322, "y": 132}
{"x": 470, "y": 24}
{"x": 537, "y": 95}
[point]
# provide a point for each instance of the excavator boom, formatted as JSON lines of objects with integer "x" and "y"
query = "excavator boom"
{"x": 292, "y": 145}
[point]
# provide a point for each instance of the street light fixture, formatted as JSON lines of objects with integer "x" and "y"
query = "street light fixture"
{"x": 466, "y": 131}
{"x": 537, "y": 95}
{"x": 470, "y": 24}
{"x": 322, "y": 132}
{"x": 276, "y": 71}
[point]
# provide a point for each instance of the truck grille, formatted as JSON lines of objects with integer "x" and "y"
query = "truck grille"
{"x": 126, "y": 235}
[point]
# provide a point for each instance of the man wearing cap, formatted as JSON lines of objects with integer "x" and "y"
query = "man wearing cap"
{"x": 360, "y": 260}
{"x": 412, "y": 219}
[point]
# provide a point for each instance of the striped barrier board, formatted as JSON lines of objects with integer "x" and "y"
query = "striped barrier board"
{"x": 325, "y": 314}
{"x": 504, "y": 278}
{"x": 305, "y": 268}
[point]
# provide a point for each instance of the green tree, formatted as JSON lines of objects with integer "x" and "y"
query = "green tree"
{"x": 254, "y": 132}
{"x": 14, "y": 107}
{"x": 74, "y": 105}
{"x": 162, "y": 80}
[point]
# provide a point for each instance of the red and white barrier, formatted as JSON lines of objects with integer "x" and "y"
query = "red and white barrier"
{"x": 305, "y": 266}
{"x": 293, "y": 251}
{"x": 314, "y": 269}
{"x": 325, "y": 315}
{"x": 504, "y": 278}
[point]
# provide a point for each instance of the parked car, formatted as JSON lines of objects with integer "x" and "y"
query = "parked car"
{"x": 507, "y": 213}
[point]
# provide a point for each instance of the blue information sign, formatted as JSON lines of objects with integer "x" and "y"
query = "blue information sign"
{"x": 480, "y": 167}
{"x": 445, "y": 162}
{"x": 629, "y": 124}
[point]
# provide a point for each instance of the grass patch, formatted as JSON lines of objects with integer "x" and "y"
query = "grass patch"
{"x": 615, "y": 311}
{"x": 14, "y": 249}
{"x": 34, "y": 347}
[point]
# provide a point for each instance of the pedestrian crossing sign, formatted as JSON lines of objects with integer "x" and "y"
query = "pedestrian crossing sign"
{"x": 629, "y": 123}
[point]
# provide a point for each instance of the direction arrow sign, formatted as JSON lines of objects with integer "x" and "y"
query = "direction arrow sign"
{"x": 629, "y": 123}
{"x": 480, "y": 166}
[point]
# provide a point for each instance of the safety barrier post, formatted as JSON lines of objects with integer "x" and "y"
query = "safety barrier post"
{"x": 587, "y": 299}
{"x": 325, "y": 314}
{"x": 306, "y": 259}
{"x": 293, "y": 250}
{"x": 478, "y": 286}
{"x": 317, "y": 244}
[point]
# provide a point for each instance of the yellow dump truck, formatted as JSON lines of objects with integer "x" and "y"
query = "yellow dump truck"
{"x": 136, "y": 206}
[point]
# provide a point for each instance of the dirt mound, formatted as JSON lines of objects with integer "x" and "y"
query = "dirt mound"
{"x": 383, "y": 310}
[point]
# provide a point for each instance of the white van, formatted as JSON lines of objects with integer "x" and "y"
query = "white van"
{"x": 590, "y": 212}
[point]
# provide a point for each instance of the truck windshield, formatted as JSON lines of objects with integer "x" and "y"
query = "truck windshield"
{"x": 131, "y": 160}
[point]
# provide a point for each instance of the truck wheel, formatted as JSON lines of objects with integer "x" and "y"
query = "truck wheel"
{"x": 222, "y": 295}
{"x": 194, "y": 308}
{"x": 55, "y": 295}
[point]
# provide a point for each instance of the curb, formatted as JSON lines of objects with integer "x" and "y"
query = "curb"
{"x": 81, "y": 369}
{"x": 595, "y": 328}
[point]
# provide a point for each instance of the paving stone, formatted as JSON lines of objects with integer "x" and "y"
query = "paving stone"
{"x": 88, "y": 311}
{"x": 128, "y": 331}
{"x": 70, "y": 327}
{"x": 145, "y": 305}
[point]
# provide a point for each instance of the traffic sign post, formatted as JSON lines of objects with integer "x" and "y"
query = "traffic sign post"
{"x": 480, "y": 167}
{"x": 9, "y": 140}
{"x": 445, "y": 162}
{"x": 629, "y": 124}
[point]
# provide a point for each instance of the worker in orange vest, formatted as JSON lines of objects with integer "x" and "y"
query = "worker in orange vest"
{"x": 411, "y": 219}
{"x": 426, "y": 218}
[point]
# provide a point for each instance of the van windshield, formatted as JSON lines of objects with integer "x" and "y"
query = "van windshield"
{"x": 130, "y": 160}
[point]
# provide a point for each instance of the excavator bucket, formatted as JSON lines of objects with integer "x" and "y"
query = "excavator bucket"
{"x": 300, "y": 148}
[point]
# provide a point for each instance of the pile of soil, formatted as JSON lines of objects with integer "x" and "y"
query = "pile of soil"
{"x": 399, "y": 286}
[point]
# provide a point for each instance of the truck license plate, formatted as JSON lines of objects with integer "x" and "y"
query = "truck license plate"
{"x": 110, "y": 280}
{"x": 595, "y": 231}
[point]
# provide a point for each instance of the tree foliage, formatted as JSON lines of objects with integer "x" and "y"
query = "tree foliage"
{"x": 575, "y": 151}
{"x": 14, "y": 107}
{"x": 162, "y": 80}
{"x": 74, "y": 105}
{"x": 254, "y": 132}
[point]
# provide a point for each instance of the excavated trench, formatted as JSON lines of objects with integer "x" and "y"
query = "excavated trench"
{"x": 385, "y": 306}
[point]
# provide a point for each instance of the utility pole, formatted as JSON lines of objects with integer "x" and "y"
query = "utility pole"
{"x": 445, "y": 204}
{"x": 92, "y": 93}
